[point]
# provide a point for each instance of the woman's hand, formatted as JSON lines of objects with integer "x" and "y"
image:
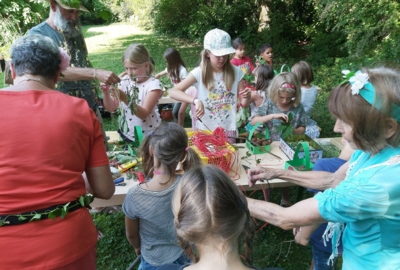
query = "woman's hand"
{"x": 259, "y": 173}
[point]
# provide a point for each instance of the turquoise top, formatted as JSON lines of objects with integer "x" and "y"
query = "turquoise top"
{"x": 368, "y": 201}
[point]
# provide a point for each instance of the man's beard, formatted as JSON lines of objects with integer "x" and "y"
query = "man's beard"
{"x": 69, "y": 28}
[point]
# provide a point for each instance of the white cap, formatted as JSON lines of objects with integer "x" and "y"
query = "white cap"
{"x": 218, "y": 42}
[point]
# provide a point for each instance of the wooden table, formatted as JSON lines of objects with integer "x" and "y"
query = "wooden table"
{"x": 240, "y": 178}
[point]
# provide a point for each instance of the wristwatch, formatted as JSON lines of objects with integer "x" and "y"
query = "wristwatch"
{"x": 195, "y": 101}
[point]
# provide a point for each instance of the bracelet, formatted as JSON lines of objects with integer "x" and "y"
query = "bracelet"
{"x": 94, "y": 75}
{"x": 195, "y": 101}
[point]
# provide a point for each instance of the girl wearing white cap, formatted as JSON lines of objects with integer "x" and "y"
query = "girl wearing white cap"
{"x": 219, "y": 84}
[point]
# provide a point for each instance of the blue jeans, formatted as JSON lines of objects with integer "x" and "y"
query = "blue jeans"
{"x": 175, "y": 110}
{"x": 321, "y": 260}
{"x": 182, "y": 260}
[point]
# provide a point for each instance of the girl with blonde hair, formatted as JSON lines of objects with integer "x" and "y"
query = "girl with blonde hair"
{"x": 212, "y": 220}
{"x": 137, "y": 94}
{"x": 219, "y": 85}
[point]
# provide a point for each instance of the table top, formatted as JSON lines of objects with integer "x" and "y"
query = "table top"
{"x": 240, "y": 178}
{"x": 238, "y": 174}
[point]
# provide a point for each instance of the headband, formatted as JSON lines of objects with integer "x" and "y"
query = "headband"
{"x": 361, "y": 86}
{"x": 288, "y": 85}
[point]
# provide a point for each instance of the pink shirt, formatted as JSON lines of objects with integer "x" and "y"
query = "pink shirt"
{"x": 243, "y": 63}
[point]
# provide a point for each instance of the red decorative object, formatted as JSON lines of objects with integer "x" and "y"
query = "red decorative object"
{"x": 166, "y": 115}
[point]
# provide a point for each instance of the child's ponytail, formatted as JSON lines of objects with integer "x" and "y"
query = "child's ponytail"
{"x": 147, "y": 159}
{"x": 192, "y": 159}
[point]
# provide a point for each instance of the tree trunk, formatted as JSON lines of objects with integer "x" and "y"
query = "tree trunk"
{"x": 264, "y": 18}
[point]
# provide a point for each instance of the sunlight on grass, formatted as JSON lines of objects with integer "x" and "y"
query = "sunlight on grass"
{"x": 102, "y": 38}
{"x": 106, "y": 45}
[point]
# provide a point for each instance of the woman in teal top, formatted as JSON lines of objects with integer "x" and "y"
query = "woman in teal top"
{"x": 365, "y": 192}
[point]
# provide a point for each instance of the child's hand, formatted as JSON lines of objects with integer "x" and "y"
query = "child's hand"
{"x": 299, "y": 238}
{"x": 137, "y": 251}
{"x": 105, "y": 88}
{"x": 281, "y": 116}
{"x": 245, "y": 93}
{"x": 199, "y": 108}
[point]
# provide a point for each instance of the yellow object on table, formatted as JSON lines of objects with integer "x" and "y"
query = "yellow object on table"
{"x": 204, "y": 159}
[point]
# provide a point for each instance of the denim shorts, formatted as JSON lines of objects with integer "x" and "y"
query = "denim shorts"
{"x": 321, "y": 260}
{"x": 182, "y": 260}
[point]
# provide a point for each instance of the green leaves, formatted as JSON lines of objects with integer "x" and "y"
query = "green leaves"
{"x": 35, "y": 217}
{"x": 242, "y": 116}
{"x": 286, "y": 127}
{"x": 72, "y": 3}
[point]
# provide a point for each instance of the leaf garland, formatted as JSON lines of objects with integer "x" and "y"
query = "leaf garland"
{"x": 60, "y": 211}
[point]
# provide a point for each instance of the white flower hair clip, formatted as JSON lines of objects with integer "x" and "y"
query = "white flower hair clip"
{"x": 357, "y": 80}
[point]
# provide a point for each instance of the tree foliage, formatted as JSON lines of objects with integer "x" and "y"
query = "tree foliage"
{"x": 18, "y": 16}
{"x": 192, "y": 19}
{"x": 371, "y": 26}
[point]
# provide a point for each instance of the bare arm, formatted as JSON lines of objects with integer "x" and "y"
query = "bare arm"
{"x": 302, "y": 213}
{"x": 87, "y": 74}
{"x": 149, "y": 103}
{"x": 299, "y": 130}
{"x": 132, "y": 233}
{"x": 182, "y": 113}
{"x": 268, "y": 117}
{"x": 303, "y": 234}
{"x": 101, "y": 181}
{"x": 177, "y": 92}
{"x": 311, "y": 179}
{"x": 244, "y": 95}
{"x": 110, "y": 101}
{"x": 160, "y": 74}
{"x": 256, "y": 98}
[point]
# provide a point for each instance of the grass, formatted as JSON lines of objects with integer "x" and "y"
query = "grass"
{"x": 107, "y": 43}
{"x": 273, "y": 247}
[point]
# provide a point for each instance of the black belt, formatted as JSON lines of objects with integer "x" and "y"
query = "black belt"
{"x": 51, "y": 212}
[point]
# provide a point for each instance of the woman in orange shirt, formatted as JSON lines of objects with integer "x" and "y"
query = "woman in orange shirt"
{"x": 48, "y": 140}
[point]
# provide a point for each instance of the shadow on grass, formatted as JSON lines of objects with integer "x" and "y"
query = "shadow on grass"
{"x": 91, "y": 31}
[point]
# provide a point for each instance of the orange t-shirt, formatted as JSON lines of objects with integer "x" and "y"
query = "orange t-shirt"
{"x": 47, "y": 139}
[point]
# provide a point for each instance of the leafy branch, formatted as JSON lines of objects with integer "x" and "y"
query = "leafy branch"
{"x": 286, "y": 127}
{"x": 132, "y": 96}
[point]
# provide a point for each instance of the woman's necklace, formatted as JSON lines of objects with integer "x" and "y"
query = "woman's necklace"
{"x": 33, "y": 79}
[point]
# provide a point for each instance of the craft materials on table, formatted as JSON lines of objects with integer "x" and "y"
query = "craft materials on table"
{"x": 213, "y": 148}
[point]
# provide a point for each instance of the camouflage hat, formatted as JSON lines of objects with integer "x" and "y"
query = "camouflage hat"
{"x": 71, "y": 4}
